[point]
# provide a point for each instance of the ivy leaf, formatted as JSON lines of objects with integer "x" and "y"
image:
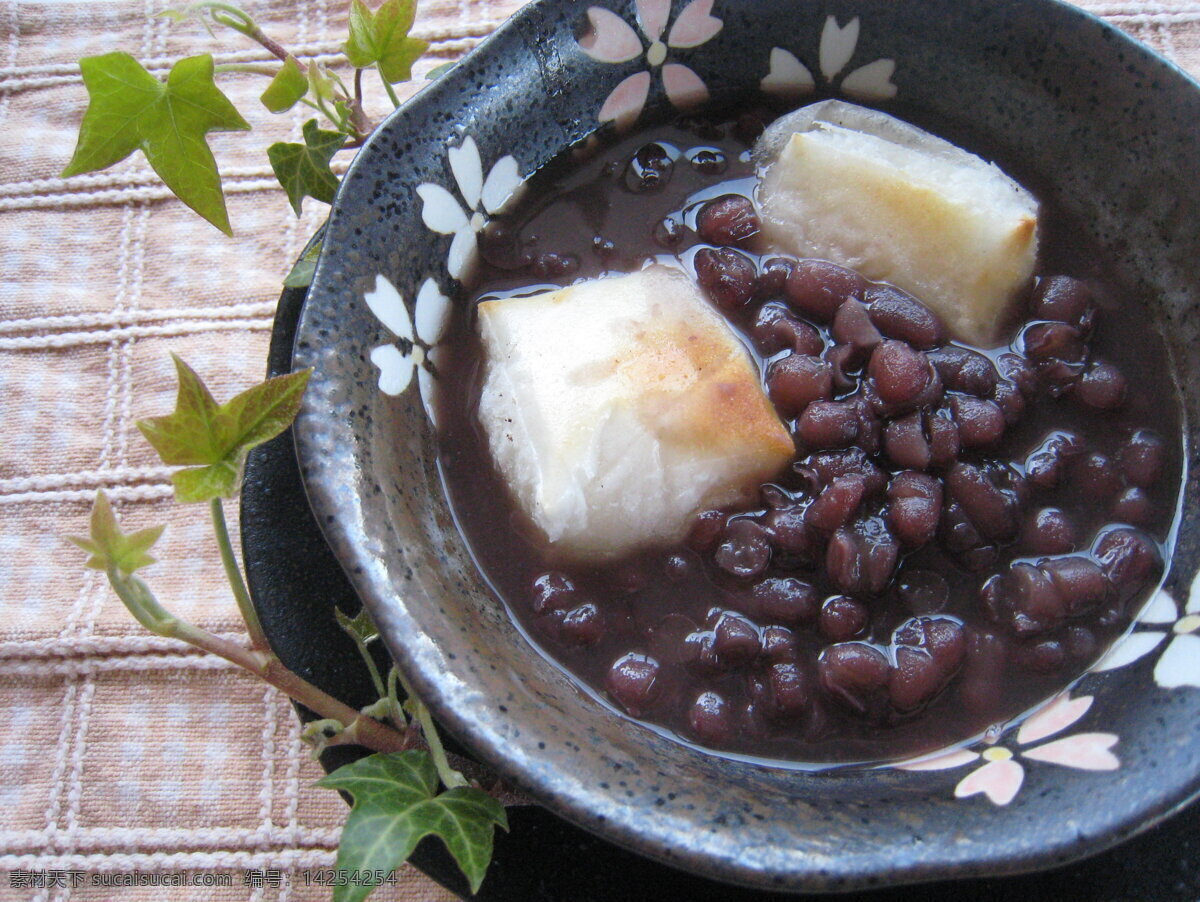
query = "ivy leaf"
{"x": 381, "y": 38}
{"x": 303, "y": 270}
{"x": 360, "y": 625}
{"x": 439, "y": 70}
{"x": 213, "y": 439}
{"x": 395, "y": 805}
{"x": 129, "y": 109}
{"x": 108, "y": 545}
{"x": 286, "y": 88}
{"x": 303, "y": 169}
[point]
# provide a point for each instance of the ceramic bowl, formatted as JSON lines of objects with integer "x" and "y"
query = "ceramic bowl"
{"x": 1114, "y": 129}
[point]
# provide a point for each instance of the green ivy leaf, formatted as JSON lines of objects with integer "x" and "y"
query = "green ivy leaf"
{"x": 108, "y": 545}
{"x": 303, "y": 270}
{"x": 439, "y": 70}
{"x": 360, "y": 625}
{"x": 129, "y": 109}
{"x": 396, "y": 804}
{"x": 286, "y": 88}
{"x": 211, "y": 439}
{"x": 303, "y": 169}
{"x": 381, "y": 38}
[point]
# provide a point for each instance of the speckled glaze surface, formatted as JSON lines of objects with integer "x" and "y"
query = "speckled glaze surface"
{"x": 1115, "y": 127}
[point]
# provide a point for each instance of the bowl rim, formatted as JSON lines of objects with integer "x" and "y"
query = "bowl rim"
{"x": 382, "y": 600}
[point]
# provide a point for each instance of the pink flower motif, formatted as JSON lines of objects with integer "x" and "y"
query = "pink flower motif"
{"x": 1001, "y": 776}
{"x": 612, "y": 40}
{"x": 790, "y": 78}
{"x": 1179, "y": 664}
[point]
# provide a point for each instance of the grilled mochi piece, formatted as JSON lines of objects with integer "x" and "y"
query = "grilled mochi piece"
{"x": 866, "y": 190}
{"x": 618, "y": 408}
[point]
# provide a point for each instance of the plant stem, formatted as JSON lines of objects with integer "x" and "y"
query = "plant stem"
{"x": 448, "y": 775}
{"x": 258, "y": 639}
{"x": 380, "y": 690}
{"x": 391, "y": 92}
{"x": 232, "y": 17}
{"x": 141, "y": 602}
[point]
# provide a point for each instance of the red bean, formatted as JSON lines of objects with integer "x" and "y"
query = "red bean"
{"x": 736, "y": 641}
{"x": 829, "y": 465}
{"x": 980, "y": 423}
{"x": 851, "y": 673}
{"x": 1025, "y": 598}
{"x": 706, "y": 531}
{"x": 1102, "y": 387}
{"x": 845, "y": 362}
{"x": 775, "y": 330}
{"x": 852, "y": 326}
{"x": 583, "y": 625}
{"x": 650, "y": 169}
{"x": 870, "y": 430}
{"x": 790, "y": 535}
{"x": 929, "y": 652}
{"x": 1079, "y": 581}
{"x": 958, "y": 532}
{"x": 633, "y": 682}
{"x": 1057, "y": 341}
{"x": 1133, "y": 506}
{"x": 1016, "y": 369}
{"x": 1095, "y": 476}
{"x": 992, "y": 510}
{"x": 900, "y": 373}
{"x": 728, "y": 220}
{"x": 1129, "y": 559}
{"x": 772, "y": 277}
{"x": 836, "y": 504}
{"x": 1062, "y": 299}
{"x": 669, "y": 233}
{"x": 786, "y": 600}
{"x": 944, "y": 440}
{"x": 1080, "y": 643}
{"x": 1011, "y": 402}
{"x": 779, "y": 645}
{"x": 553, "y": 591}
{"x": 745, "y": 550}
{"x": 923, "y": 591}
{"x": 914, "y": 507}
{"x": 842, "y": 618}
{"x": 1042, "y": 656}
{"x": 729, "y": 277}
{"x": 817, "y": 288}
{"x": 795, "y": 381}
{"x": 1049, "y": 531}
{"x": 791, "y": 689}
{"x": 861, "y": 560}
{"x": 1142, "y": 458}
{"x": 964, "y": 370}
{"x": 905, "y": 442}
{"x": 1045, "y": 464}
{"x": 828, "y": 424}
{"x": 900, "y": 315}
{"x": 710, "y": 718}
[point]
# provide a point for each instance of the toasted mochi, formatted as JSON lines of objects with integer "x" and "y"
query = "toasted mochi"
{"x": 868, "y": 191}
{"x": 617, "y": 408}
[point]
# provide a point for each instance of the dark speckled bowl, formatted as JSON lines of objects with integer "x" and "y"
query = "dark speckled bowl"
{"x": 1115, "y": 129}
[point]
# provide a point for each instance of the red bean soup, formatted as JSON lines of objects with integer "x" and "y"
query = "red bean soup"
{"x": 962, "y": 531}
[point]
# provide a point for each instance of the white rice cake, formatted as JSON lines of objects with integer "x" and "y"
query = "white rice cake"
{"x": 618, "y": 408}
{"x": 868, "y": 191}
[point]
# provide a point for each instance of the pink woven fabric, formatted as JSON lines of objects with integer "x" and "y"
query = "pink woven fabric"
{"x": 121, "y": 751}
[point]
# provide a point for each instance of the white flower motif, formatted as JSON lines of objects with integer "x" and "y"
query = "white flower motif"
{"x": 612, "y": 40}
{"x": 1180, "y": 662}
{"x": 415, "y": 347}
{"x": 788, "y": 77}
{"x": 1001, "y": 776}
{"x": 442, "y": 213}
